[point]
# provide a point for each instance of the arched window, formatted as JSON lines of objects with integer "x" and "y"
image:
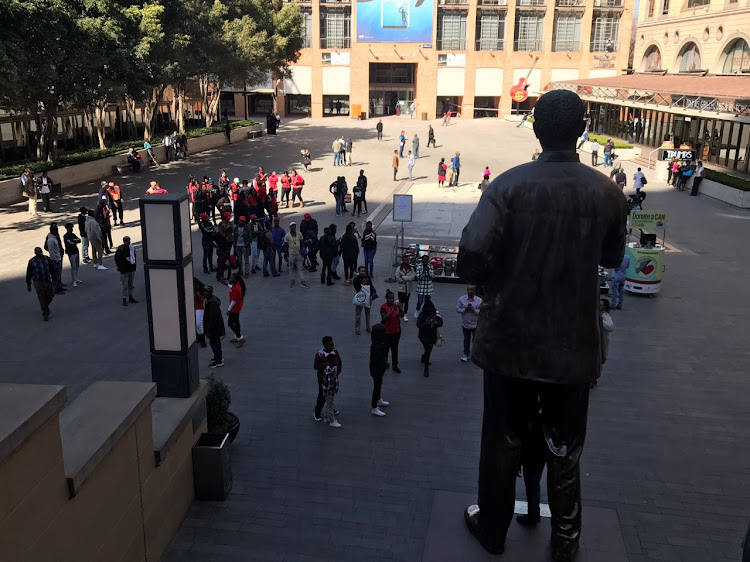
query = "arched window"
{"x": 652, "y": 58}
{"x": 690, "y": 58}
{"x": 737, "y": 57}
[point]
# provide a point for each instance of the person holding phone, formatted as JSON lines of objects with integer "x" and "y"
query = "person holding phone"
{"x": 390, "y": 316}
{"x": 468, "y": 307}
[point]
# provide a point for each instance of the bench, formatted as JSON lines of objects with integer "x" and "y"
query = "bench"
{"x": 120, "y": 169}
{"x": 254, "y": 134}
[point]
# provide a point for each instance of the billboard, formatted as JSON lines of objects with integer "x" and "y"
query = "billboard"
{"x": 394, "y": 21}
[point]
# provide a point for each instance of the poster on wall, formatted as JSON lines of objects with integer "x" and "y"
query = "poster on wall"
{"x": 394, "y": 21}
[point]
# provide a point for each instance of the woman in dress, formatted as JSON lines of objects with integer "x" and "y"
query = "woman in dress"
{"x": 441, "y": 173}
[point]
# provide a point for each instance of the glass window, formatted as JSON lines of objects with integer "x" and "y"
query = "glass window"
{"x": 690, "y": 58}
{"x": 698, "y": 3}
{"x": 335, "y": 28}
{"x": 737, "y": 58}
{"x": 308, "y": 27}
{"x": 665, "y": 8}
{"x": 451, "y": 32}
{"x": 490, "y": 31}
{"x": 652, "y": 59}
{"x": 529, "y": 31}
{"x": 605, "y": 32}
{"x": 567, "y": 33}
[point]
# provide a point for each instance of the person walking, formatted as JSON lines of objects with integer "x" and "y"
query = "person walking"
{"x": 329, "y": 249}
{"x": 71, "y": 242}
{"x": 362, "y": 184}
{"x": 199, "y": 309}
{"x": 125, "y": 262}
{"x": 468, "y": 307}
{"x": 286, "y": 188}
{"x": 410, "y": 163}
{"x": 365, "y": 295}
{"x": 442, "y": 168}
{"x": 208, "y": 231}
{"x": 213, "y": 325}
{"x": 700, "y": 173}
{"x": 39, "y": 271}
{"x": 30, "y": 189}
{"x": 415, "y": 146}
{"x": 266, "y": 245}
{"x": 609, "y": 147}
{"x": 431, "y": 138}
{"x": 395, "y": 164}
{"x": 379, "y": 129}
{"x": 330, "y": 389}
{"x": 336, "y": 148}
{"x": 378, "y": 366}
{"x": 401, "y": 144}
{"x": 278, "y": 234}
{"x": 621, "y": 178}
{"x": 342, "y": 151}
{"x": 390, "y": 316}
{"x": 595, "y": 146}
{"x": 115, "y": 201}
{"x": 357, "y": 198}
{"x": 425, "y": 276}
{"x": 412, "y": 110}
{"x": 293, "y": 247}
{"x": 82, "y": 233}
{"x": 298, "y": 182}
{"x": 54, "y": 249}
{"x": 237, "y": 292}
{"x": 45, "y": 188}
{"x": 639, "y": 180}
{"x": 244, "y": 244}
{"x": 428, "y": 322}
{"x": 94, "y": 236}
{"x": 405, "y": 276}
{"x": 618, "y": 283}
{"x": 584, "y": 138}
{"x": 349, "y": 147}
{"x": 319, "y": 364}
{"x": 370, "y": 245}
{"x": 456, "y": 163}
{"x": 350, "y": 253}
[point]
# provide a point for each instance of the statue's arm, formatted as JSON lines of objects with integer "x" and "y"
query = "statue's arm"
{"x": 613, "y": 245}
{"x": 481, "y": 240}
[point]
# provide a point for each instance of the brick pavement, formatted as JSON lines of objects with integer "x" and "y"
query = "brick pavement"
{"x": 667, "y": 439}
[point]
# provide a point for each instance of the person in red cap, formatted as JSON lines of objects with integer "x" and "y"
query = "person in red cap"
{"x": 242, "y": 247}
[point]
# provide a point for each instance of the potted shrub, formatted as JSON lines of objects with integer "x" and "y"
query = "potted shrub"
{"x": 219, "y": 418}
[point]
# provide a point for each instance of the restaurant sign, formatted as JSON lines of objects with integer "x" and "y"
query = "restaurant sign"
{"x": 738, "y": 106}
{"x": 680, "y": 155}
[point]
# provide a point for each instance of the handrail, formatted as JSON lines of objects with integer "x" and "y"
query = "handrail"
{"x": 648, "y": 162}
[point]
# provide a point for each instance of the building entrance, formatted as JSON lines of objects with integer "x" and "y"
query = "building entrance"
{"x": 392, "y": 88}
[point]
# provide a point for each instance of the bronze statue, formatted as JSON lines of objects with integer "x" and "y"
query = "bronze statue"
{"x": 534, "y": 241}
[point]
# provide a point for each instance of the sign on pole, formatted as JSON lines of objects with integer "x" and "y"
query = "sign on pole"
{"x": 648, "y": 220}
{"x": 402, "y": 208}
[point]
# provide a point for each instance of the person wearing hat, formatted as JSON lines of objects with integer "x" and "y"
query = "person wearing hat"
{"x": 278, "y": 234}
{"x": 308, "y": 227}
{"x": 293, "y": 247}
{"x": 242, "y": 247}
{"x": 213, "y": 325}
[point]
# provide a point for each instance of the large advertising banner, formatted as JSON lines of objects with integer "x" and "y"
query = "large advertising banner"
{"x": 394, "y": 21}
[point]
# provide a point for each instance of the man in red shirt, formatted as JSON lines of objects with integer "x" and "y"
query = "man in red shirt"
{"x": 390, "y": 314}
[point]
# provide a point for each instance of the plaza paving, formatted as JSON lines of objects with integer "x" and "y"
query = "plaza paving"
{"x": 667, "y": 445}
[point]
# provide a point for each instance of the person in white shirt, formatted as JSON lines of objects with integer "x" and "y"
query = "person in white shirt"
{"x": 293, "y": 248}
{"x": 639, "y": 180}
{"x": 700, "y": 173}
{"x": 595, "y": 146}
{"x": 410, "y": 162}
{"x": 413, "y": 110}
{"x": 45, "y": 188}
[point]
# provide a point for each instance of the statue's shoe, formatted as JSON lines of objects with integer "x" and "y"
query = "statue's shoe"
{"x": 528, "y": 520}
{"x": 564, "y": 551}
{"x": 471, "y": 516}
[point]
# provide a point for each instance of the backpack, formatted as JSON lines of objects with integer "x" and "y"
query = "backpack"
{"x": 357, "y": 192}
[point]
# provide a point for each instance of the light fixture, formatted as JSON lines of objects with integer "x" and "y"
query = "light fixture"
{"x": 168, "y": 266}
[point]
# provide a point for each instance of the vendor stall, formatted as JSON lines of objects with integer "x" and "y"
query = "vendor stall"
{"x": 644, "y": 274}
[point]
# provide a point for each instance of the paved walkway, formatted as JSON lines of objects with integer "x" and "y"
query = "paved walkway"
{"x": 667, "y": 443}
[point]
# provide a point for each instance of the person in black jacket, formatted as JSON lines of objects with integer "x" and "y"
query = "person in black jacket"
{"x": 378, "y": 366}
{"x": 349, "y": 252}
{"x": 208, "y": 230}
{"x": 213, "y": 325}
{"x": 362, "y": 184}
{"x": 125, "y": 262}
{"x": 329, "y": 249}
{"x": 428, "y": 322}
{"x": 538, "y": 337}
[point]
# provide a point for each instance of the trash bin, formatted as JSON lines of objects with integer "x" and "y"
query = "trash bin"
{"x": 424, "y": 116}
{"x": 363, "y": 116}
{"x": 212, "y": 469}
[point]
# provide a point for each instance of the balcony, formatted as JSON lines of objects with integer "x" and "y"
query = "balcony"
{"x": 605, "y": 46}
{"x": 335, "y": 42}
{"x": 451, "y": 44}
{"x": 493, "y": 2}
{"x": 565, "y": 46}
{"x": 608, "y": 3}
{"x": 490, "y": 45}
{"x": 531, "y": 3}
{"x": 528, "y": 45}
{"x": 570, "y": 3}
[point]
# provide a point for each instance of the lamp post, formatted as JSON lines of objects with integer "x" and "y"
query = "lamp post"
{"x": 168, "y": 266}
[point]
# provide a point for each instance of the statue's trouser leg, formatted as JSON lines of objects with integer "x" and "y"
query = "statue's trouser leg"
{"x": 564, "y": 413}
{"x": 533, "y": 458}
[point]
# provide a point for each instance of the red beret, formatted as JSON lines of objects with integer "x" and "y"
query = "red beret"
{"x": 227, "y": 215}
{"x": 253, "y": 217}
{"x": 243, "y": 219}
{"x": 203, "y": 215}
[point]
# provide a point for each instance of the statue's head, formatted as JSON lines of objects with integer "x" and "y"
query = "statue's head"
{"x": 558, "y": 120}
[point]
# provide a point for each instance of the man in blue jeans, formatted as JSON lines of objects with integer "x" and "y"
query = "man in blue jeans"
{"x": 618, "y": 283}
{"x": 456, "y": 161}
{"x": 369, "y": 245}
{"x": 468, "y": 307}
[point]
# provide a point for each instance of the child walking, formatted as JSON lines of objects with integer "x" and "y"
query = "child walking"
{"x": 330, "y": 389}
{"x": 378, "y": 366}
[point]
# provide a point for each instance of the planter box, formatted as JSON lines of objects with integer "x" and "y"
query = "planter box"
{"x": 720, "y": 192}
{"x": 10, "y": 190}
{"x": 212, "y": 468}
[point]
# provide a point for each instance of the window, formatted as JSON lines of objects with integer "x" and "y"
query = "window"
{"x": 689, "y": 58}
{"x": 737, "y": 58}
{"x": 698, "y": 3}
{"x": 308, "y": 27}
{"x": 490, "y": 31}
{"x": 605, "y": 32}
{"x": 451, "y": 32}
{"x": 442, "y": 60}
{"x": 325, "y": 58}
{"x": 665, "y": 8}
{"x": 529, "y": 31}
{"x": 335, "y": 28}
{"x": 566, "y": 35}
{"x": 651, "y": 6}
{"x": 652, "y": 59}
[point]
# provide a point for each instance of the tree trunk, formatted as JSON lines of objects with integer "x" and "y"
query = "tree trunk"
{"x": 212, "y": 111}
{"x": 179, "y": 108}
{"x": 89, "y": 123}
{"x": 203, "y": 86}
{"x": 149, "y": 111}
{"x": 130, "y": 112}
{"x": 100, "y": 114}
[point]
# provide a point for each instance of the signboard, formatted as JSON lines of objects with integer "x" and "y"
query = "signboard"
{"x": 519, "y": 93}
{"x": 394, "y": 21}
{"x": 402, "y": 208}
{"x": 648, "y": 220}
{"x": 681, "y": 154}
{"x": 643, "y": 275}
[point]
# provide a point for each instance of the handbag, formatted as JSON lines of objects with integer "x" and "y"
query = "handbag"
{"x": 440, "y": 339}
{"x": 362, "y": 297}
{"x": 644, "y": 181}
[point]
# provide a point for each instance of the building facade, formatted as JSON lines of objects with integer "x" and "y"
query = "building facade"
{"x": 691, "y": 84}
{"x": 377, "y": 57}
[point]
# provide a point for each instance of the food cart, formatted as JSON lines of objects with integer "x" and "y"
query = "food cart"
{"x": 644, "y": 274}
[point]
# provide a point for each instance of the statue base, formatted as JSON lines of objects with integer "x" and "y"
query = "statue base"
{"x": 449, "y": 540}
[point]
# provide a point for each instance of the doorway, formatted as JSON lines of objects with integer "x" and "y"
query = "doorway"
{"x": 392, "y": 88}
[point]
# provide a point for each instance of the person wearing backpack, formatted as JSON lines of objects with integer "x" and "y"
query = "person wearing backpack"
{"x": 357, "y": 193}
{"x": 266, "y": 245}
{"x": 369, "y": 244}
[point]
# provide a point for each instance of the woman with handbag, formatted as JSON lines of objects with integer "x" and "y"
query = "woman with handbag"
{"x": 428, "y": 322}
{"x": 365, "y": 293}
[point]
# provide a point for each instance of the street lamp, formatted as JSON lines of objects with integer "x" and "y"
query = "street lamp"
{"x": 168, "y": 265}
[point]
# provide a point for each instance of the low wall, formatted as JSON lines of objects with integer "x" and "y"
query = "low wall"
{"x": 724, "y": 193}
{"x": 10, "y": 190}
{"x": 108, "y": 477}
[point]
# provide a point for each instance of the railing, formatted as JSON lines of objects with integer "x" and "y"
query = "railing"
{"x": 334, "y": 1}
{"x": 335, "y": 42}
{"x": 566, "y": 46}
{"x": 603, "y": 47}
{"x": 528, "y": 45}
{"x": 493, "y": 2}
{"x": 533, "y": 3}
{"x": 452, "y": 2}
{"x": 570, "y": 3}
{"x": 451, "y": 44}
{"x": 490, "y": 44}
{"x": 608, "y": 3}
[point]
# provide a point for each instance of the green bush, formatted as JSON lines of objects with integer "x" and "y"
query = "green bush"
{"x": 603, "y": 140}
{"x": 732, "y": 181}
{"x": 91, "y": 154}
{"x": 218, "y": 400}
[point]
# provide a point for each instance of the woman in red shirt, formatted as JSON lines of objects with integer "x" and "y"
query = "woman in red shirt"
{"x": 297, "y": 184}
{"x": 390, "y": 317}
{"x": 286, "y": 187}
{"x": 236, "y": 296}
{"x": 198, "y": 302}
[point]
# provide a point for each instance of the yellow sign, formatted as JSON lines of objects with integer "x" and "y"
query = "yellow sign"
{"x": 648, "y": 220}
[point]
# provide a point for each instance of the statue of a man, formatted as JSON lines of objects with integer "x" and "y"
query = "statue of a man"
{"x": 534, "y": 242}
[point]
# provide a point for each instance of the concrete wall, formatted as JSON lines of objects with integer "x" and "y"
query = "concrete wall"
{"x": 126, "y": 509}
{"x": 10, "y": 190}
{"x": 721, "y": 192}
